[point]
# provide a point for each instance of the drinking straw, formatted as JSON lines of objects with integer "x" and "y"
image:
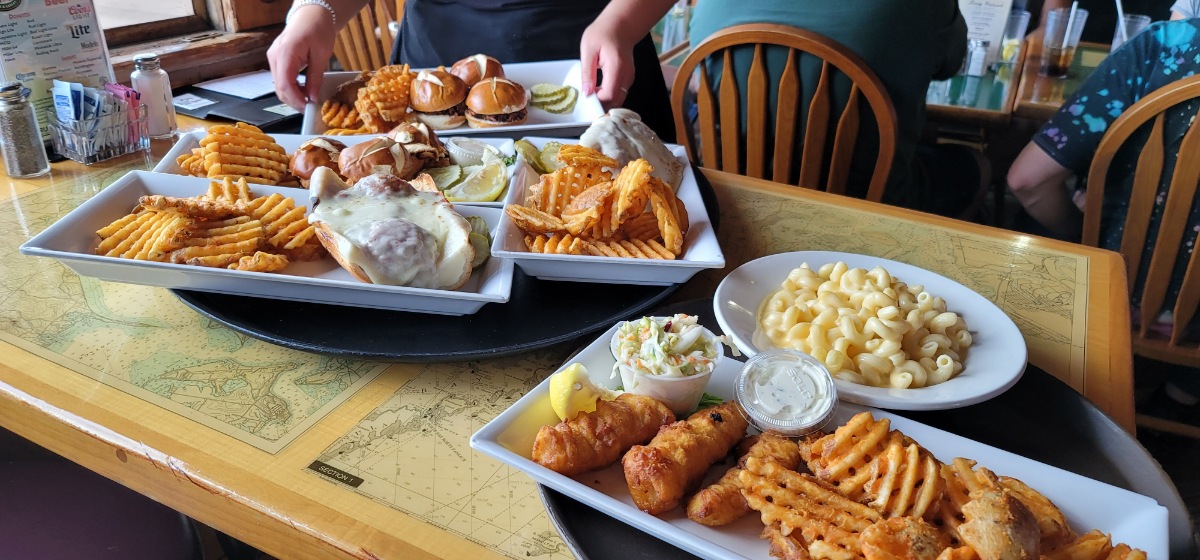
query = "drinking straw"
{"x": 1070, "y": 23}
{"x": 1121, "y": 22}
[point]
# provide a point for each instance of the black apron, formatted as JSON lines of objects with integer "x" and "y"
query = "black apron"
{"x": 438, "y": 33}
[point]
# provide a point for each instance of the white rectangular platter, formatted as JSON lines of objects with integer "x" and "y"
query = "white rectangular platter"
{"x": 701, "y": 249}
{"x": 565, "y": 72}
{"x": 72, "y": 240}
{"x": 290, "y": 142}
{"x": 1088, "y": 504}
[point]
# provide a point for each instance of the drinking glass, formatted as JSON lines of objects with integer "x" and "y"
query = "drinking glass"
{"x": 1059, "y": 43}
{"x": 1014, "y": 35}
{"x": 1134, "y": 24}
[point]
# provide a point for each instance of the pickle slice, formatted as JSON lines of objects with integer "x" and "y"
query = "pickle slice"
{"x": 564, "y": 106}
{"x": 548, "y": 158}
{"x": 445, "y": 177}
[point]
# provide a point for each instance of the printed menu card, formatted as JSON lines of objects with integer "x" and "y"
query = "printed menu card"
{"x": 44, "y": 40}
{"x": 985, "y": 21}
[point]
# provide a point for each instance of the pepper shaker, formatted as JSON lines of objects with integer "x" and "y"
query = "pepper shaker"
{"x": 151, "y": 81}
{"x": 24, "y": 152}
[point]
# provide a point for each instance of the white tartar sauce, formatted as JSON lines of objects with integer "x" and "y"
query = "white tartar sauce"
{"x": 786, "y": 391}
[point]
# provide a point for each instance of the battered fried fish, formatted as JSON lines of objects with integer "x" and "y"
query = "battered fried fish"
{"x": 593, "y": 440}
{"x": 675, "y": 461}
{"x": 722, "y": 502}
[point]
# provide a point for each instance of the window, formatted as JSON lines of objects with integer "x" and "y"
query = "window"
{"x": 130, "y": 21}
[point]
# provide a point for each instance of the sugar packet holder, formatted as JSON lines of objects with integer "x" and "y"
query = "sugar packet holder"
{"x": 89, "y": 125}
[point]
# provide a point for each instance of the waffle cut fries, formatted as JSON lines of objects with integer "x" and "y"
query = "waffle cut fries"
{"x": 225, "y": 227}
{"x": 238, "y": 151}
{"x": 383, "y": 102}
{"x": 336, "y": 114}
{"x": 630, "y": 215}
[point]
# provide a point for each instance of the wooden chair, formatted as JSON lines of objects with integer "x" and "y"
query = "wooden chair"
{"x": 1147, "y": 177}
{"x": 365, "y": 43}
{"x": 721, "y": 142}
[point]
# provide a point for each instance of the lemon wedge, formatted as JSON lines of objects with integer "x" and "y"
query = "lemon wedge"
{"x": 572, "y": 392}
{"x": 484, "y": 184}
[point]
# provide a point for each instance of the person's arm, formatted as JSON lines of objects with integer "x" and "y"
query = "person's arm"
{"x": 1185, "y": 9}
{"x": 607, "y": 46}
{"x": 307, "y": 42}
{"x": 1038, "y": 182}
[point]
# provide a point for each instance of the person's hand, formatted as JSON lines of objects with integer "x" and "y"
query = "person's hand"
{"x": 603, "y": 48}
{"x": 306, "y": 42}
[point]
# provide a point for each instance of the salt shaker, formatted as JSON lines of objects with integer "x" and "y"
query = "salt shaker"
{"x": 24, "y": 152}
{"x": 151, "y": 81}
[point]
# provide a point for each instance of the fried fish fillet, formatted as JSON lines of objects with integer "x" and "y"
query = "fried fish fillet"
{"x": 721, "y": 503}
{"x": 675, "y": 461}
{"x": 998, "y": 526}
{"x": 902, "y": 538}
{"x": 597, "y": 439}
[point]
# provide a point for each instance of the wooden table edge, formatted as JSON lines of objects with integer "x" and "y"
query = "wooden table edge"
{"x": 140, "y": 467}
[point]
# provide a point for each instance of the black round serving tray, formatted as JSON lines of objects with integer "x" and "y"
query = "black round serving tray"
{"x": 1040, "y": 418}
{"x": 539, "y": 313}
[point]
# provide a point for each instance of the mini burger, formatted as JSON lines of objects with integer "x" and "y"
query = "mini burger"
{"x": 380, "y": 155}
{"x": 496, "y": 102}
{"x": 476, "y": 68}
{"x": 436, "y": 98}
{"x": 314, "y": 153}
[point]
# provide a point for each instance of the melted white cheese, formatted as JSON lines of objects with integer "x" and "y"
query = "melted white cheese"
{"x": 403, "y": 238}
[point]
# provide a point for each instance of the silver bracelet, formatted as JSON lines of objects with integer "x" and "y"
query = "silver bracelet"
{"x": 302, "y": 3}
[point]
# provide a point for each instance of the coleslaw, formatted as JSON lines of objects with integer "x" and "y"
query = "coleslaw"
{"x": 675, "y": 346}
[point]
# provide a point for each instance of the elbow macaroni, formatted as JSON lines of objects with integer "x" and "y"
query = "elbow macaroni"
{"x": 866, "y": 326}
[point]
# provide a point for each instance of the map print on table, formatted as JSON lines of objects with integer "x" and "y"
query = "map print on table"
{"x": 1043, "y": 291}
{"x": 429, "y": 421}
{"x": 257, "y": 392}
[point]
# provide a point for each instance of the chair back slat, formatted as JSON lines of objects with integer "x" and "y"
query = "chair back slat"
{"x": 707, "y": 121}
{"x": 813, "y": 155}
{"x": 1189, "y": 298}
{"x": 371, "y": 41}
{"x": 1141, "y": 200}
{"x": 1147, "y": 177}
{"x": 739, "y": 146}
{"x": 843, "y": 144}
{"x": 365, "y": 43}
{"x": 357, "y": 45}
{"x": 756, "y": 116}
{"x": 1170, "y": 230}
{"x": 385, "y": 14}
{"x": 731, "y": 145}
{"x": 787, "y": 105}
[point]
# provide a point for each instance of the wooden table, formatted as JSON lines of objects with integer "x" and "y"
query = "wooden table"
{"x": 257, "y": 441}
{"x": 1038, "y": 96}
{"x": 982, "y": 101}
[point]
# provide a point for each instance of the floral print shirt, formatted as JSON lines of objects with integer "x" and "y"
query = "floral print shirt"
{"x": 1165, "y": 52}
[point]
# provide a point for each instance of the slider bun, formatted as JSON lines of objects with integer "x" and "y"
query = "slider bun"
{"x": 329, "y": 240}
{"x": 469, "y": 69}
{"x": 497, "y": 96}
{"x": 314, "y": 153}
{"x": 381, "y": 155}
{"x": 436, "y": 90}
{"x": 441, "y": 121}
{"x": 347, "y": 92}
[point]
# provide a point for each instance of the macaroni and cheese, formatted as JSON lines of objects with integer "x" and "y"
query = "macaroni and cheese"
{"x": 867, "y": 327}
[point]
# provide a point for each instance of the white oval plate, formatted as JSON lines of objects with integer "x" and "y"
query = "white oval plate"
{"x": 994, "y": 362}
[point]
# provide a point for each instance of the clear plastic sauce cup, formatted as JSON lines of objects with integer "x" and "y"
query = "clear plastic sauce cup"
{"x": 786, "y": 392}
